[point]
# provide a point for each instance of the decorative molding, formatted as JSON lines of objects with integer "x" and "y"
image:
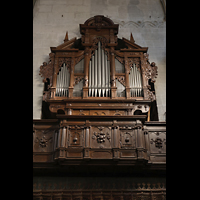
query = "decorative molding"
{"x": 141, "y": 24}
{"x": 163, "y": 2}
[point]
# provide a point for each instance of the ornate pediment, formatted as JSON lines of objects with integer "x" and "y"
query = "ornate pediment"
{"x": 98, "y": 22}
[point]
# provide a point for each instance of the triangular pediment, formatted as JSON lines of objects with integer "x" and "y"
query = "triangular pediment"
{"x": 133, "y": 46}
{"x": 66, "y": 45}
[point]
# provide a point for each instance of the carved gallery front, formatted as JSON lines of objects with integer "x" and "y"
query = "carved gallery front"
{"x": 99, "y": 137}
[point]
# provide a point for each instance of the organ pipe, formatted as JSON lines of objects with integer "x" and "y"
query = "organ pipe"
{"x": 99, "y": 83}
{"x": 95, "y": 73}
{"x": 135, "y": 82}
{"x": 99, "y": 69}
{"x": 90, "y": 78}
{"x": 62, "y": 84}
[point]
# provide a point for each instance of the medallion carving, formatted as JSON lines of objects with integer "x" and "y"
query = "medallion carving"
{"x": 158, "y": 142}
{"x": 43, "y": 142}
{"x": 101, "y": 137}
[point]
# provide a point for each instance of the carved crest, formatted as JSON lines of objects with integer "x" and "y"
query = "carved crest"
{"x": 101, "y": 136}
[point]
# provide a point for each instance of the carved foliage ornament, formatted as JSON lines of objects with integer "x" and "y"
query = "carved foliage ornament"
{"x": 150, "y": 70}
{"x": 103, "y": 41}
{"x": 158, "y": 142}
{"x": 46, "y": 70}
{"x": 129, "y": 63}
{"x": 67, "y": 61}
{"x": 101, "y": 136}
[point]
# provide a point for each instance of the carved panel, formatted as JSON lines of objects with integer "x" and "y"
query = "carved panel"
{"x": 127, "y": 138}
{"x": 43, "y": 140}
{"x": 101, "y": 154}
{"x": 76, "y": 136}
{"x": 157, "y": 142}
{"x": 100, "y": 137}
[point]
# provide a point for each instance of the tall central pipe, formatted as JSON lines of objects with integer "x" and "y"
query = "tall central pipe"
{"x": 99, "y": 68}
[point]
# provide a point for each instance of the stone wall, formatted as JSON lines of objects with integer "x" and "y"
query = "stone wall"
{"x": 144, "y": 18}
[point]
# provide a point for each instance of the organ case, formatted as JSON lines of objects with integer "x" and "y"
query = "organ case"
{"x": 106, "y": 66}
{"x": 98, "y": 87}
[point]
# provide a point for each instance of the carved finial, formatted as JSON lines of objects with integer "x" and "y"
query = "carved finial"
{"x": 66, "y": 37}
{"x": 132, "y": 39}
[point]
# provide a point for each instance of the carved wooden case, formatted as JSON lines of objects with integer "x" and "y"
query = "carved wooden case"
{"x": 99, "y": 90}
{"x": 123, "y": 64}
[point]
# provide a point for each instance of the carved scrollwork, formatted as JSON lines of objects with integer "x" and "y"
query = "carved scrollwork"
{"x": 150, "y": 70}
{"x": 150, "y": 95}
{"x": 135, "y": 61}
{"x": 46, "y": 70}
{"x": 103, "y": 41}
{"x": 67, "y": 61}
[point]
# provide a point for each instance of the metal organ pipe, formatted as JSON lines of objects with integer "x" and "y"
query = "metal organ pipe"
{"x": 99, "y": 69}
{"x": 106, "y": 76}
{"x": 90, "y": 78}
{"x": 62, "y": 84}
{"x": 135, "y": 82}
{"x": 92, "y": 84}
{"x": 103, "y": 72}
{"x": 99, "y": 83}
{"x": 95, "y": 73}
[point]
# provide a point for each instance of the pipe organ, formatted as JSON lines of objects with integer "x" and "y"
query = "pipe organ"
{"x": 99, "y": 74}
{"x": 97, "y": 106}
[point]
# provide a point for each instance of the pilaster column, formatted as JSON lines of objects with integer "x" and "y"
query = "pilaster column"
{"x": 112, "y": 73}
{"x": 140, "y": 140}
{"x": 71, "y": 87}
{"x": 86, "y": 72}
{"x": 127, "y": 71}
